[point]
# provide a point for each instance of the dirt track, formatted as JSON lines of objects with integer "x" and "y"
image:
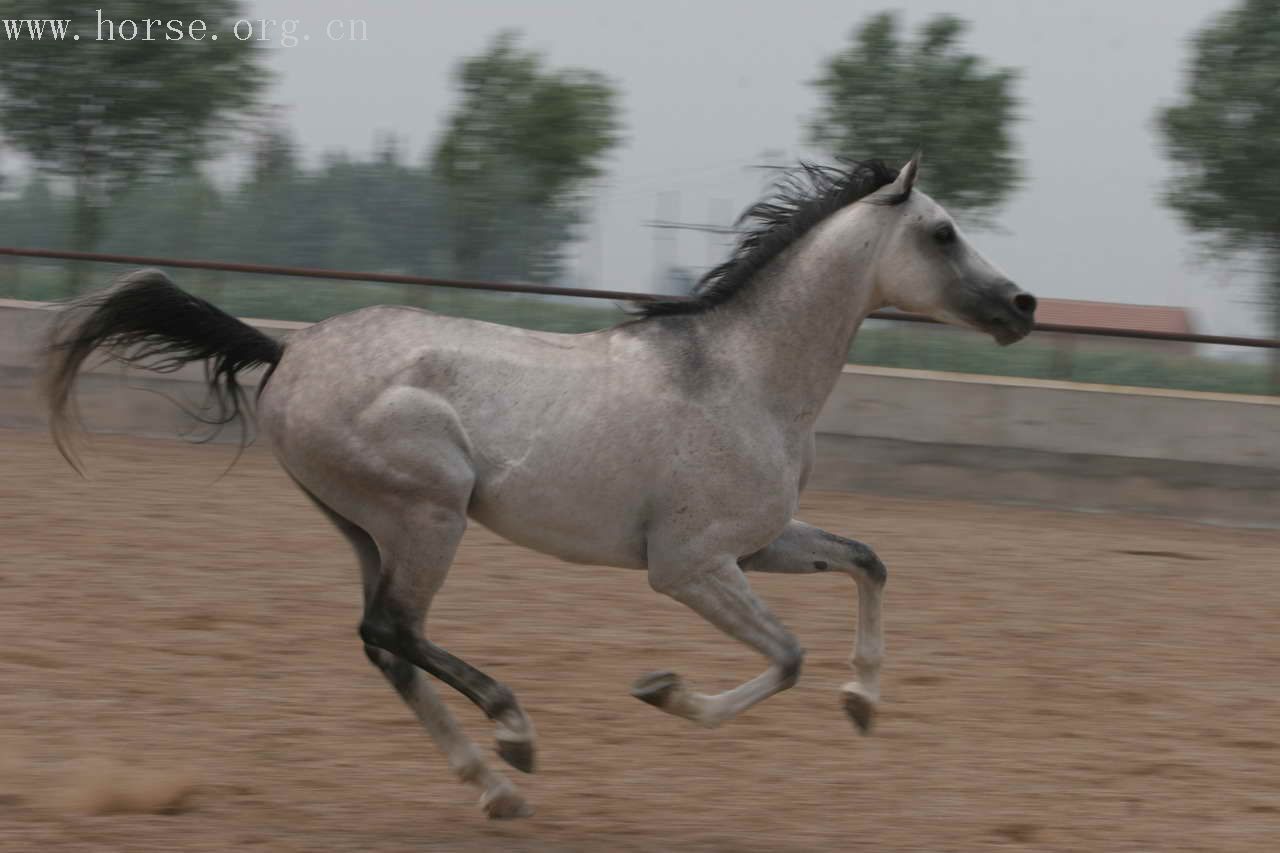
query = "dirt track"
{"x": 1054, "y": 681}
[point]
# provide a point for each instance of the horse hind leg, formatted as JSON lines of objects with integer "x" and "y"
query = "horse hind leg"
{"x": 499, "y": 798}
{"x": 414, "y": 561}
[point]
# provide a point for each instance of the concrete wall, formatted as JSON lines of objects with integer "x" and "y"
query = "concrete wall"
{"x": 1208, "y": 457}
{"x": 1055, "y": 417}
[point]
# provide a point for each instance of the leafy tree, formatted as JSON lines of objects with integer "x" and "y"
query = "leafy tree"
{"x": 518, "y": 150}
{"x": 885, "y": 98}
{"x": 36, "y": 216}
{"x": 104, "y": 113}
{"x": 1222, "y": 137}
{"x": 378, "y": 213}
{"x": 274, "y": 156}
{"x": 180, "y": 215}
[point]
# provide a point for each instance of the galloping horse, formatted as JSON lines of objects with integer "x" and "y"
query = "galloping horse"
{"x": 676, "y": 443}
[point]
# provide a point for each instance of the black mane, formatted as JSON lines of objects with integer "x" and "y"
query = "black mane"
{"x": 800, "y": 200}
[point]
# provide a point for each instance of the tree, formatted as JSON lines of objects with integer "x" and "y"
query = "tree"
{"x": 1222, "y": 137}
{"x": 104, "y": 111}
{"x": 274, "y": 156}
{"x": 519, "y": 148}
{"x": 884, "y": 98}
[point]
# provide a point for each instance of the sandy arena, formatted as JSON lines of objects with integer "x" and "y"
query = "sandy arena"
{"x": 180, "y": 653}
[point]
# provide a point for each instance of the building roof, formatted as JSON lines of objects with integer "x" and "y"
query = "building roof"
{"x": 1114, "y": 315}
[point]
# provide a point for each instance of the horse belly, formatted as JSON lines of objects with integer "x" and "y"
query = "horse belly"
{"x": 576, "y": 524}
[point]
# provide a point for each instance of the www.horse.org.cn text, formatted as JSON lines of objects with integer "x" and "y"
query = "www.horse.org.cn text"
{"x": 287, "y": 32}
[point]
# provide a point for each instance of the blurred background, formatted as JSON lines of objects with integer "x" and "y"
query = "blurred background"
{"x": 1117, "y": 159}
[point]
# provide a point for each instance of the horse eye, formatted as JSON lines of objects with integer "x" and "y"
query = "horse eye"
{"x": 945, "y": 234}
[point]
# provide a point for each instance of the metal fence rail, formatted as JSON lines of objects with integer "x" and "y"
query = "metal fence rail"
{"x": 344, "y": 275}
{"x": 551, "y": 290}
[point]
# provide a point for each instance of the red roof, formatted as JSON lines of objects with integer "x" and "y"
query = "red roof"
{"x": 1114, "y": 315}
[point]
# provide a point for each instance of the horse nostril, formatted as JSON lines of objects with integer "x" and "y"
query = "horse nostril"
{"x": 1025, "y": 303}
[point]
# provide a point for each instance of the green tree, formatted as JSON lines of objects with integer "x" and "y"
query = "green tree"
{"x": 1222, "y": 137}
{"x": 104, "y": 113}
{"x": 885, "y": 98}
{"x": 517, "y": 153}
{"x": 274, "y": 156}
{"x": 37, "y": 216}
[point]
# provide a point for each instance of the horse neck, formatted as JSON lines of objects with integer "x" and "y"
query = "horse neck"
{"x": 791, "y": 330}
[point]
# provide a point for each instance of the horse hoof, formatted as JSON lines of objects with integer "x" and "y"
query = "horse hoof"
{"x": 656, "y": 688}
{"x": 860, "y": 708}
{"x": 518, "y": 753}
{"x": 504, "y": 803}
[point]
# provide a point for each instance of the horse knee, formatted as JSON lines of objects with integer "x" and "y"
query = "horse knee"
{"x": 875, "y": 569}
{"x": 390, "y": 638}
{"x": 789, "y": 666}
{"x": 864, "y": 560}
{"x": 383, "y": 629}
{"x": 867, "y": 561}
{"x": 385, "y": 645}
{"x": 376, "y": 634}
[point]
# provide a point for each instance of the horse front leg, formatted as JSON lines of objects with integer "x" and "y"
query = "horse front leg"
{"x": 804, "y": 549}
{"x": 718, "y": 591}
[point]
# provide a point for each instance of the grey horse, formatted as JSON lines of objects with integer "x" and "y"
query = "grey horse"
{"x": 676, "y": 443}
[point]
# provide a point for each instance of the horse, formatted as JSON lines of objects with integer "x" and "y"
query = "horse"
{"x": 675, "y": 443}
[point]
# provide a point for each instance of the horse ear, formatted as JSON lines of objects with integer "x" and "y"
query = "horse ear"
{"x": 907, "y": 175}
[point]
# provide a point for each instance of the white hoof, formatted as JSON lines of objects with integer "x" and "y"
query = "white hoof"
{"x": 860, "y": 704}
{"x": 505, "y": 803}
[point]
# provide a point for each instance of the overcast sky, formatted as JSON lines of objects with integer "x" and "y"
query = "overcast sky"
{"x": 709, "y": 86}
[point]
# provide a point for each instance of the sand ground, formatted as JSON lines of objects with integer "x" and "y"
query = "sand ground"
{"x": 1055, "y": 681}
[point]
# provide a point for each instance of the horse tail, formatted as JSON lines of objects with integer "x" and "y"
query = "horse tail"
{"x": 145, "y": 320}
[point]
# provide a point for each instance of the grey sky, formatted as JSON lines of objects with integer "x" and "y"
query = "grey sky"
{"x": 710, "y": 85}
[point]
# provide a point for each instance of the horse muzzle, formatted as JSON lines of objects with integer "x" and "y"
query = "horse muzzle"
{"x": 1008, "y": 316}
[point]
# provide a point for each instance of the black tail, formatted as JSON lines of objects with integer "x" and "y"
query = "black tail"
{"x": 144, "y": 320}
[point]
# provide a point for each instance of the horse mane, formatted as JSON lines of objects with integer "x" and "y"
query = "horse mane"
{"x": 799, "y": 200}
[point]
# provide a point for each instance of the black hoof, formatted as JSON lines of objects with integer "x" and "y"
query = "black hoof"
{"x": 860, "y": 710}
{"x": 518, "y": 753}
{"x": 656, "y": 688}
